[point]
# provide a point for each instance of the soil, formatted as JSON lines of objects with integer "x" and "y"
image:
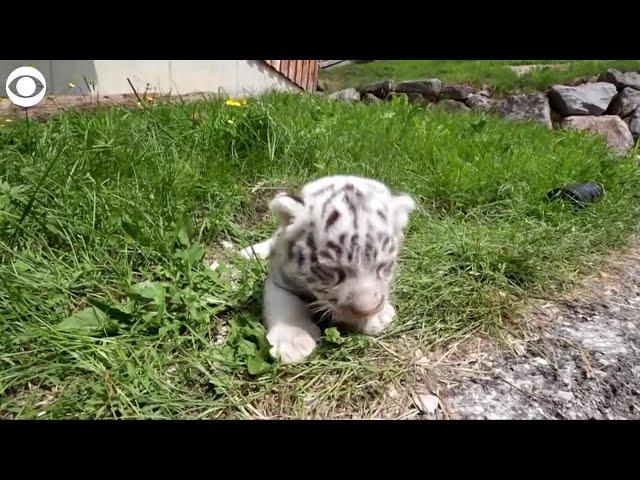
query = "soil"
{"x": 579, "y": 358}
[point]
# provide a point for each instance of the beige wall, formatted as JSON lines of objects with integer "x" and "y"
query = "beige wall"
{"x": 233, "y": 77}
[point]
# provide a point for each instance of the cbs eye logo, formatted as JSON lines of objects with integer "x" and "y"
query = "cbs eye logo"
{"x": 22, "y": 87}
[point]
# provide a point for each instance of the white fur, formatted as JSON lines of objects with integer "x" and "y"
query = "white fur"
{"x": 260, "y": 250}
{"x": 290, "y": 330}
{"x": 375, "y": 325}
{"x": 291, "y": 333}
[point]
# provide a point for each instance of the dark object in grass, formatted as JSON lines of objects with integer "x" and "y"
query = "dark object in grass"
{"x": 580, "y": 194}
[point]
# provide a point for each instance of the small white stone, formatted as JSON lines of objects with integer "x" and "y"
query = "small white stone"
{"x": 426, "y": 403}
{"x": 227, "y": 245}
{"x": 214, "y": 265}
{"x": 541, "y": 362}
{"x": 392, "y": 392}
{"x": 564, "y": 396}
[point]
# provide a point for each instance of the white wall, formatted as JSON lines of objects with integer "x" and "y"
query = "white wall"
{"x": 233, "y": 77}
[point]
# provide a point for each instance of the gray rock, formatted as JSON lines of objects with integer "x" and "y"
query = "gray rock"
{"x": 633, "y": 121}
{"x": 612, "y": 127}
{"x": 380, "y": 90}
{"x": 477, "y": 101}
{"x": 417, "y": 99}
{"x": 429, "y": 88}
{"x": 587, "y": 99}
{"x": 452, "y": 105}
{"x": 563, "y": 396}
{"x": 625, "y": 102}
{"x": 426, "y": 403}
{"x": 346, "y": 95}
{"x": 457, "y": 92}
{"x": 370, "y": 98}
{"x": 621, "y": 79}
{"x": 534, "y": 106}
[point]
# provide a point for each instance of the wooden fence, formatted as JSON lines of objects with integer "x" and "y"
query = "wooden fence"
{"x": 304, "y": 73}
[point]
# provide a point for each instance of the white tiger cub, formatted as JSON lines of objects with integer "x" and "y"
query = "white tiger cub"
{"x": 335, "y": 251}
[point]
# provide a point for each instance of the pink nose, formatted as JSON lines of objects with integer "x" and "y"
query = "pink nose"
{"x": 367, "y": 306}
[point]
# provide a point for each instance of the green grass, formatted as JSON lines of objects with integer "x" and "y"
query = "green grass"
{"x": 495, "y": 73}
{"x": 107, "y": 309}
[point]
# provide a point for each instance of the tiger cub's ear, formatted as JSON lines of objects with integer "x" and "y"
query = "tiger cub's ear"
{"x": 287, "y": 208}
{"x": 401, "y": 206}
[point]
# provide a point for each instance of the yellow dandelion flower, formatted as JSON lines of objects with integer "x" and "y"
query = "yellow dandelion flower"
{"x": 233, "y": 103}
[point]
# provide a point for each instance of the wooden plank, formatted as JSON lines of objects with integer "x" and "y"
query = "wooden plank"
{"x": 314, "y": 75}
{"x": 304, "y": 80}
{"x": 299, "y": 72}
{"x": 303, "y": 73}
{"x": 306, "y": 71}
{"x": 291, "y": 74}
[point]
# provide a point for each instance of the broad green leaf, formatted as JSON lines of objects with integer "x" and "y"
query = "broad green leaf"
{"x": 257, "y": 365}
{"x": 183, "y": 235}
{"x": 194, "y": 253}
{"x": 149, "y": 290}
{"x": 91, "y": 319}
{"x": 118, "y": 313}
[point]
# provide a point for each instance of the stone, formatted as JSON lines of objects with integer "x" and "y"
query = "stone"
{"x": 380, "y": 89}
{"x": 452, "y": 105}
{"x": 621, "y": 79}
{"x": 457, "y": 92}
{"x": 346, "y": 95}
{"x": 625, "y": 102}
{"x": 587, "y": 99}
{"x": 392, "y": 392}
{"x": 633, "y": 121}
{"x": 477, "y": 101}
{"x": 417, "y": 99}
{"x": 429, "y": 88}
{"x": 533, "y": 106}
{"x": 612, "y": 127}
{"x": 370, "y": 98}
{"x": 426, "y": 403}
{"x": 564, "y": 397}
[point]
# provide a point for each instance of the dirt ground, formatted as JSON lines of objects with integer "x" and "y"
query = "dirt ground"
{"x": 579, "y": 358}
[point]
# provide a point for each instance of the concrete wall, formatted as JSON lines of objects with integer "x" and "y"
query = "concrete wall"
{"x": 234, "y": 77}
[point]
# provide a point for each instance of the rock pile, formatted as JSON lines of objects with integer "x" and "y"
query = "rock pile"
{"x": 607, "y": 105}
